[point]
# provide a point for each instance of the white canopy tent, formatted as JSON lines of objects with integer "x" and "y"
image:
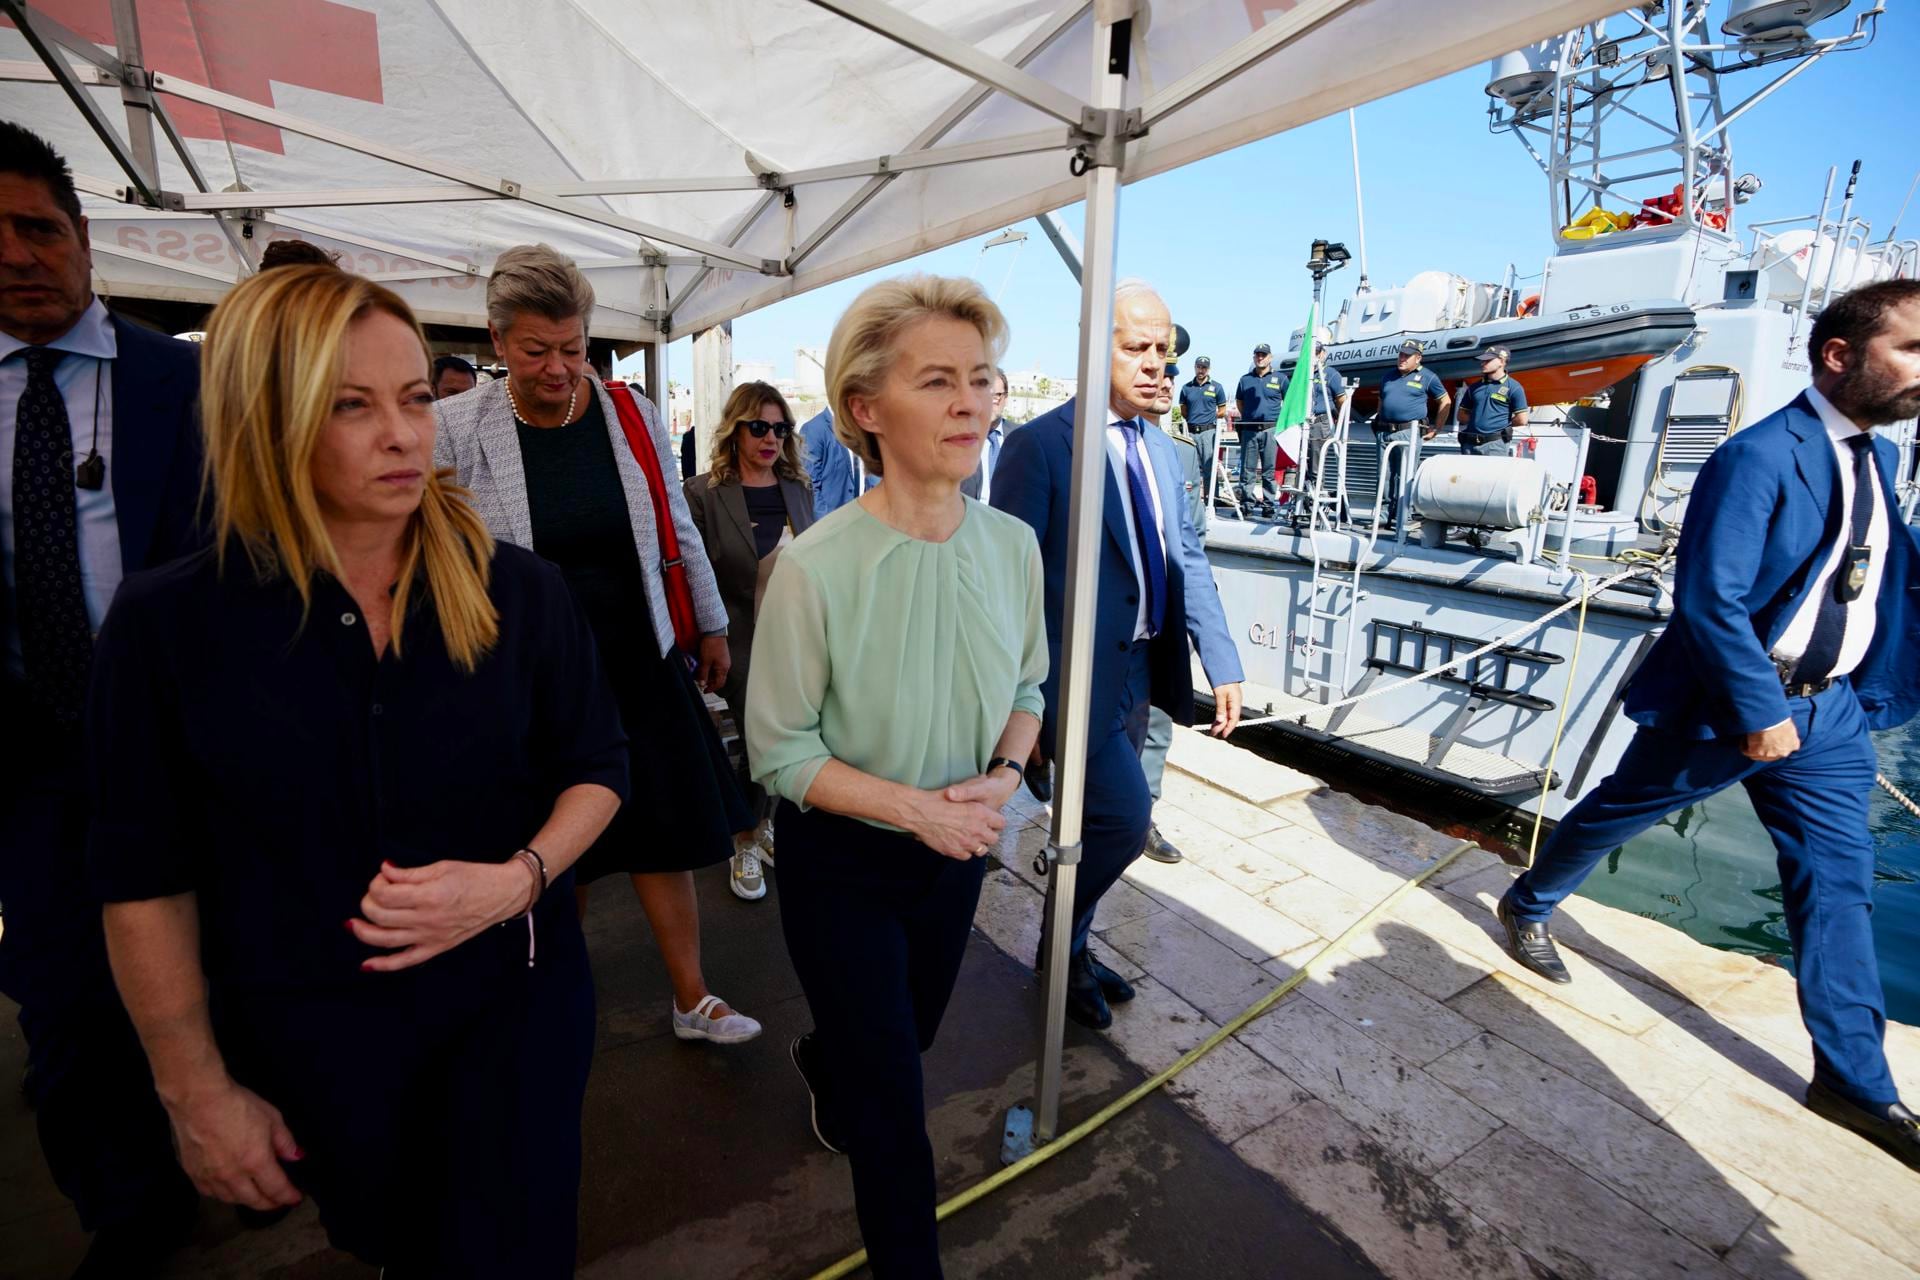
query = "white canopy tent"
{"x": 699, "y": 158}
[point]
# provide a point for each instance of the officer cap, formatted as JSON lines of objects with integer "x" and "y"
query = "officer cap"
{"x": 1411, "y": 347}
{"x": 1495, "y": 353}
{"x": 1263, "y": 350}
{"x": 1201, "y": 362}
{"x": 1173, "y": 371}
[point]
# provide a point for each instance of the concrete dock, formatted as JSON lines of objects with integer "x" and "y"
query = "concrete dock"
{"x": 1419, "y": 1107}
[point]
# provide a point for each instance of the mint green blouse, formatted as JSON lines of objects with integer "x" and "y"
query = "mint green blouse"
{"x": 900, "y": 657}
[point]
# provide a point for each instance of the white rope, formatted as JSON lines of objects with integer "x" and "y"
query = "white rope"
{"x": 1488, "y": 647}
{"x": 1900, "y": 797}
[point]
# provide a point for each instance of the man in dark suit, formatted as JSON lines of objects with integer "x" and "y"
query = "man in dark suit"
{"x": 97, "y": 420}
{"x": 1156, "y": 593}
{"x": 1794, "y": 634}
{"x": 980, "y": 483}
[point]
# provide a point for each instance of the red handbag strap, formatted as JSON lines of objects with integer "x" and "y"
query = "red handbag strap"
{"x": 640, "y": 440}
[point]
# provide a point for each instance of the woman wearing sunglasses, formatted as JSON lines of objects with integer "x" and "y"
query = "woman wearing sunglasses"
{"x": 752, "y": 501}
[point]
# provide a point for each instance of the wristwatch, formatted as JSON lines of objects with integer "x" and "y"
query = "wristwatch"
{"x": 1018, "y": 769}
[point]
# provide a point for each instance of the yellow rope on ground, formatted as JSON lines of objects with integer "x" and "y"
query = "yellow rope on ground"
{"x": 986, "y": 1187}
{"x": 1560, "y": 727}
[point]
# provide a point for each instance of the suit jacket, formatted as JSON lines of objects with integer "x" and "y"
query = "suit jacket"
{"x": 971, "y": 485}
{"x": 829, "y": 464}
{"x": 720, "y": 513}
{"x": 1762, "y": 513}
{"x": 1035, "y": 483}
{"x": 155, "y": 469}
{"x": 477, "y": 438}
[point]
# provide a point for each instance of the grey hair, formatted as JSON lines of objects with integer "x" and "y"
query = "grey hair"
{"x": 1135, "y": 287}
{"x": 540, "y": 279}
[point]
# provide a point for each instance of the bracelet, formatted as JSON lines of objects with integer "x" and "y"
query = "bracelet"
{"x": 544, "y": 881}
{"x": 1018, "y": 769}
{"x": 534, "y": 870}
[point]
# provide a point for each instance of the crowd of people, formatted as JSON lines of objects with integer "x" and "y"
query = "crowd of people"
{"x": 340, "y": 682}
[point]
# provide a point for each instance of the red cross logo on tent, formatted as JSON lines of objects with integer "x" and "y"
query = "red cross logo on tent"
{"x": 241, "y": 47}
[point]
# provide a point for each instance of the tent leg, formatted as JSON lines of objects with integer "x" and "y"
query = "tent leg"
{"x": 1083, "y": 548}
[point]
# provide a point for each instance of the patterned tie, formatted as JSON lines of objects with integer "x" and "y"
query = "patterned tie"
{"x": 1146, "y": 529}
{"x": 55, "y": 637}
{"x": 1830, "y": 623}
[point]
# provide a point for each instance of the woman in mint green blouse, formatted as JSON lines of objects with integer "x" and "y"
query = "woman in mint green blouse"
{"x": 896, "y": 682}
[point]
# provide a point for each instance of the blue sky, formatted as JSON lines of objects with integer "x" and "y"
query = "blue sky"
{"x": 1225, "y": 239}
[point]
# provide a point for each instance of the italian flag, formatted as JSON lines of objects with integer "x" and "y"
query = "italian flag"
{"x": 1290, "y": 428}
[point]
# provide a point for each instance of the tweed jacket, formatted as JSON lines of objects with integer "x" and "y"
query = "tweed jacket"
{"x": 477, "y": 438}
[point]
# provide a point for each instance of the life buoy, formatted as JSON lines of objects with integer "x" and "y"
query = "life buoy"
{"x": 1529, "y": 305}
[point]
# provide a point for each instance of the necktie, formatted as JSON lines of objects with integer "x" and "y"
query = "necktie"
{"x": 56, "y": 639}
{"x": 1146, "y": 529}
{"x": 1830, "y": 623}
{"x": 992, "y": 461}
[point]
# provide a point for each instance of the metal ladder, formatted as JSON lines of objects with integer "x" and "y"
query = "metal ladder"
{"x": 1334, "y": 595}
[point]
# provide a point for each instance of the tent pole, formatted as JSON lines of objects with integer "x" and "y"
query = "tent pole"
{"x": 1110, "y": 51}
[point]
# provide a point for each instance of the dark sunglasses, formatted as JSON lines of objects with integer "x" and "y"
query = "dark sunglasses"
{"x": 781, "y": 430}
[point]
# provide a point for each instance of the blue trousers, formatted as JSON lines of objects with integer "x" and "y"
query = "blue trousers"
{"x": 1814, "y": 805}
{"x": 1117, "y": 808}
{"x": 1153, "y": 752}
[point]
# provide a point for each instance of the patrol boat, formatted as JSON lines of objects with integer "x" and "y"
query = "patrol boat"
{"x": 1485, "y": 650}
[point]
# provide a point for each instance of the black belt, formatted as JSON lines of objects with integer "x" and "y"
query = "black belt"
{"x": 1470, "y": 437}
{"x": 1807, "y": 688}
{"x": 1382, "y": 428}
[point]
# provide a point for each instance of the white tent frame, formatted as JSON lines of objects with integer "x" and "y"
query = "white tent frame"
{"x": 1096, "y": 135}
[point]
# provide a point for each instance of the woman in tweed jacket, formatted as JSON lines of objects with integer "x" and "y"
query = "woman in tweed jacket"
{"x": 543, "y": 457}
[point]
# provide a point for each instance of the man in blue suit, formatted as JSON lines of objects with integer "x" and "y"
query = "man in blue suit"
{"x": 97, "y": 421}
{"x": 1156, "y": 592}
{"x": 1795, "y": 632}
{"x": 837, "y": 476}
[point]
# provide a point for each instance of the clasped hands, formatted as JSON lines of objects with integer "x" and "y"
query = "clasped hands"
{"x": 964, "y": 821}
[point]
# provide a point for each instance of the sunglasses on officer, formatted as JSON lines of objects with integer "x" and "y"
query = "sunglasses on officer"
{"x": 781, "y": 430}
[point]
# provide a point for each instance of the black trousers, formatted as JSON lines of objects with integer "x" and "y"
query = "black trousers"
{"x": 438, "y": 1108}
{"x": 877, "y": 924}
{"x": 103, "y": 1132}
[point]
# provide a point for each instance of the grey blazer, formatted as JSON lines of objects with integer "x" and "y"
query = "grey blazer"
{"x": 476, "y": 437}
{"x": 720, "y": 513}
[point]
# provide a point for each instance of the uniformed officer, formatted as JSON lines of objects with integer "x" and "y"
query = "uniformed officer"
{"x": 1329, "y": 393}
{"x": 1405, "y": 398}
{"x": 1200, "y": 404}
{"x": 1491, "y": 408}
{"x": 1260, "y": 394}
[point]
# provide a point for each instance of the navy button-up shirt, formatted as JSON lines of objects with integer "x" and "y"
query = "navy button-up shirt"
{"x": 1404, "y": 396}
{"x": 1260, "y": 395}
{"x": 267, "y": 761}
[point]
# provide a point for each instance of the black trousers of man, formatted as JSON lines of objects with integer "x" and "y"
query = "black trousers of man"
{"x": 103, "y": 1132}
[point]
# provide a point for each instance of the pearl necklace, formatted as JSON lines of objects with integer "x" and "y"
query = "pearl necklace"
{"x": 515, "y": 404}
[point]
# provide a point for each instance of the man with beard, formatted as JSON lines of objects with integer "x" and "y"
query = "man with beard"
{"x": 1792, "y": 637}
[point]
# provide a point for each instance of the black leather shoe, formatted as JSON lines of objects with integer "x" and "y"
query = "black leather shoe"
{"x": 1086, "y": 1004}
{"x": 1115, "y": 988}
{"x": 1161, "y": 849}
{"x": 1039, "y": 780}
{"x": 805, "y": 1052}
{"x": 1532, "y": 946}
{"x": 1892, "y": 1127}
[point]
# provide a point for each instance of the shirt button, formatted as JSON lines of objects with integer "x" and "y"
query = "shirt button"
{"x": 377, "y": 708}
{"x": 1121, "y": 646}
{"x": 347, "y": 619}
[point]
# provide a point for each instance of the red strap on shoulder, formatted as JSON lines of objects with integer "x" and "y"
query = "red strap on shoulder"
{"x": 634, "y": 426}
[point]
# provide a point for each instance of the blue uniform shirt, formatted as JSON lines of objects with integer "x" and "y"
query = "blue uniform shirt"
{"x": 1487, "y": 407}
{"x": 1327, "y": 393}
{"x": 1200, "y": 402}
{"x": 1404, "y": 396}
{"x": 1260, "y": 396}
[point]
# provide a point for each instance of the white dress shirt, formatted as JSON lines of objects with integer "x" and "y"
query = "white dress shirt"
{"x": 1862, "y": 612}
{"x": 1117, "y": 459}
{"x": 85, "y": 373}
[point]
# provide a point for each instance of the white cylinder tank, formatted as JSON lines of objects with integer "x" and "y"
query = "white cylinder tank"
{"x": 1776, "y": 19}
{"x": 1517, "y": 76}
{"x": 1471, "y": 489}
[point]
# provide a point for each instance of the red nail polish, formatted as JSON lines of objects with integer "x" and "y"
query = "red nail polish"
{"x": 347, "y": 925}
{"x": 366, "y": 966}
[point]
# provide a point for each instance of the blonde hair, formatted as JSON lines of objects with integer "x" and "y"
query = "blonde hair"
{"x": 540, "y": 279}
{"x": 744, "y": 405}
{"x": 271, "y": 364}
{"x": 862, "y": 349}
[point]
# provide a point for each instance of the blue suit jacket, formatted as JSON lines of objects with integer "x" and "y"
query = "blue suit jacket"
{"x": 829, "y": 464}
{"x": 1762, "y": 512}
{"x": 1034, "y": 481}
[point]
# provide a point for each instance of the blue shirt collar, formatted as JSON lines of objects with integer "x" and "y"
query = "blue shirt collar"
{"x": 91, "y": 335}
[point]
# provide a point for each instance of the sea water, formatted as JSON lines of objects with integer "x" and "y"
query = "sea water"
{"x": 1709, "y": 871}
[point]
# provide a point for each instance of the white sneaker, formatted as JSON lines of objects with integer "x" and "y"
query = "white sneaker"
{"x": 763, "y": 836}
{"x": 747, "y": 881}
{"x": 700, "y": 1024}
